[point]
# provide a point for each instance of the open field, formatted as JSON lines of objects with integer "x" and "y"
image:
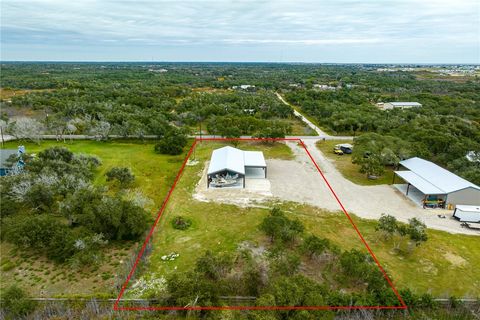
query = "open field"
{"x": 444, "y": 265}
{"x": 6, "y": 94}
{"x": 350, "y": 170}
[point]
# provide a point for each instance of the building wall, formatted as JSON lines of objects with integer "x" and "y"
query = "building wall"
{"x": 469, "y": 196}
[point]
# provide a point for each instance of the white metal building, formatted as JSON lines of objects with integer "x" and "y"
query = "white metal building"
{"x": 432, "y": 181}
{"x": 400, "y": 105}
{"x": 229, "y": 160}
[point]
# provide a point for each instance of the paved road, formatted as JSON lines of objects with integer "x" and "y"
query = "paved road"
{"x": 152, "y": 137}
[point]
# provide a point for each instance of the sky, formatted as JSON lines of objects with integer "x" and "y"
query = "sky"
{"x": 334, "y": 31}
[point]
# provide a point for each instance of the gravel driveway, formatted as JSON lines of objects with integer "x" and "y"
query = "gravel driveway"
{"x": 364, "y": 201}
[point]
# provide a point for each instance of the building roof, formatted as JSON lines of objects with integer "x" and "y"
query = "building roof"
{"x": 254, "y": 159}
{"x": 4, "y": 155}
{"x": 233, "y": 159}
{"x": 412, "y": 104}
{"x": 430, "y": 178}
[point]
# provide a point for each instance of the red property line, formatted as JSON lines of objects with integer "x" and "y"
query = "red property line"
{"x": 162, "y": 209}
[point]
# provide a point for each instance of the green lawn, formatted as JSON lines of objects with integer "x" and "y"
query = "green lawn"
{"x": 154, "y": 173}
{"x": 350, "y": 170}
{"x": 446, "y": 264}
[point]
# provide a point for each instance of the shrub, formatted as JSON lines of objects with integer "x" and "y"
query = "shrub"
{"x": 279, "y": 227}
{"x": 16, "y": 302}
{"x": 42, "y": 232}
{"x": 123, "y": 175}
{"x": 181, "y": 223}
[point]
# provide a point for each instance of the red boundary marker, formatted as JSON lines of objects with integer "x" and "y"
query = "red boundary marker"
{"x": 116, "y": 306}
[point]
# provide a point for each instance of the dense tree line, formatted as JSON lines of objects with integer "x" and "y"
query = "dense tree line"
{"x": 53, "y": 208}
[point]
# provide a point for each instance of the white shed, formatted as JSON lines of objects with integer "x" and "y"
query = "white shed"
{"x": 229, "y": 160}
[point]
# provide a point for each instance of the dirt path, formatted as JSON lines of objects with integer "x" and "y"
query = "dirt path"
{"x": 319, "y": 131}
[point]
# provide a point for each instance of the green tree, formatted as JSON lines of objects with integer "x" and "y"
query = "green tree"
{"x": 315, "y": 246}
{"x": 387, "y": 224}
{"x": 214, "y": 266}
{"x": 172, "y": 143}
{"x": 416, "y": 231}
{"x": 278, "y": 226}
{"x": 123, "y": 175}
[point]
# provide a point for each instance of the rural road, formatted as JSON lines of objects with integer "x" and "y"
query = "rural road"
{"x": 319, "y": 131}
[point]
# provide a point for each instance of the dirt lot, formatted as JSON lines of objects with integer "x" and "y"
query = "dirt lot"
{"x": 298, "y": 180}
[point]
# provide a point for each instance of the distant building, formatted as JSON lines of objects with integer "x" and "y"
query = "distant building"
{"x": 244, "y": 87}
{"x": 399, "y": 105}
{"x": 324, "y": 87}
{"x": 158, "y": 70}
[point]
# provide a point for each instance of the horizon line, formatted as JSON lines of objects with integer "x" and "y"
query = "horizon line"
{"x": 239, "y": 62}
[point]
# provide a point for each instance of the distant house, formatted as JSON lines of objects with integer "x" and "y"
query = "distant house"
{"x": 158, "y": 70}
{"x": 244, "y": 87}
{"x": 5, "y": 168}
{"x": 398, "y": 105}
{"x": 324, "y": 87}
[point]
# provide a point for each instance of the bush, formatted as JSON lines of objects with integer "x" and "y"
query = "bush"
{"x": 123, "y": 175}
{"x": 172, "y": 144}
{"x": 42, "y": 232}
{"x": 278, "y": 227}
{"x": 16, "y": 302}
{"x": 181, "y": 223}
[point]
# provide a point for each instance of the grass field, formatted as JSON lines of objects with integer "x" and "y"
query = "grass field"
{"x": 350, "y": 170}
{"x": 445, "y": 265}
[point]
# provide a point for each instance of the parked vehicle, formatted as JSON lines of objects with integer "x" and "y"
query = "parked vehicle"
{"x": 338, "y": 151}
{"x": 345, "y": 148}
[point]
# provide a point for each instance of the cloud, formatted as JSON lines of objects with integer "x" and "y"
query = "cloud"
{"x": 253, "y": 23}
{"x": 304, "y": 42}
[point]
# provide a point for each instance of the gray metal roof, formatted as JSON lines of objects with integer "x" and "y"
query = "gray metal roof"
{"x": 233, "y": 159}
{"x": 412, "y": 104}
{"x": 254, "y": 159}
{"x": 4, "y": 155}
{"x": 430, "y": 178}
